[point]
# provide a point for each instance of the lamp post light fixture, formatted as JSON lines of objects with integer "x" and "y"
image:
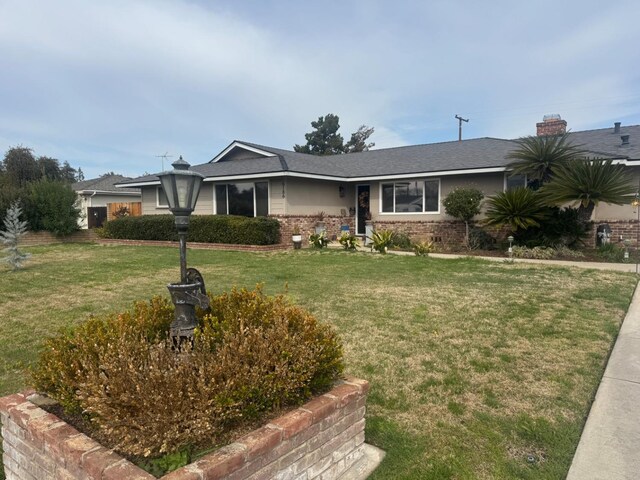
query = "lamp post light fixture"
{"x": 182, "y": 186}
{"x": 510, "y": 239}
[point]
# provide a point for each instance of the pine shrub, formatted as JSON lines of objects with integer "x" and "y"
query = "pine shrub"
{"x": 252, "y": 354}
{"x": 15, "y": 229}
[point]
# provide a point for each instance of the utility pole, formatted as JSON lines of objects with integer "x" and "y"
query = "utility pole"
{"x": 460, "y": 120}
{"x": 164, "y": 157}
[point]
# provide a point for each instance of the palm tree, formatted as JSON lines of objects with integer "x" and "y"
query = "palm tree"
{"x": 537, "y": 157}
{"x": 519, "y": 208}
{"x": 587, "y": 183}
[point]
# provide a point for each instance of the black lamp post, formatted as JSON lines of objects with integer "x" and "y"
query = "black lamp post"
{"x": 182, "y": 186}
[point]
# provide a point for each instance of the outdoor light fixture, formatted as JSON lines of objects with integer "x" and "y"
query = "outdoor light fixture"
{"x": 182, "y": 186}
{"x": 510, "y": 239}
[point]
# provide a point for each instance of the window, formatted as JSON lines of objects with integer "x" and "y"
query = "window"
{"x": 410, "y": 196}
{"x": 246, "y": 199}
{"x": 161, "y": 198}
{"x": 512, "y": 182}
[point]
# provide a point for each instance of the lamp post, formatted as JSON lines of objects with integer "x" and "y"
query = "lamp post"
{"x": 510, "y": 239}
{"x": 182, "y": 186}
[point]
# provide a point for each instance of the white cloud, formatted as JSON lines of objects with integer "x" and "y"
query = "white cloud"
{"x": 116, "y": 83}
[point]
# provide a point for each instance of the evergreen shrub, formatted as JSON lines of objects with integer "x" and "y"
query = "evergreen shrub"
{"x": 252, "y": 354}
{"x": 202, "y": 228}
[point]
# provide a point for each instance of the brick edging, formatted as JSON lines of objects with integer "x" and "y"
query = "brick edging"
{"x": 325, "y": 435}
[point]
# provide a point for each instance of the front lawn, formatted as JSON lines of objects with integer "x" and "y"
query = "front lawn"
{"x": 479, "y": 370}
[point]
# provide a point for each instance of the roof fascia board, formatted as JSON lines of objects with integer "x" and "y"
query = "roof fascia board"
{"x": 138, "y": 184}
{"x": 222, "y": 154}
{"x": 104, "y": 192}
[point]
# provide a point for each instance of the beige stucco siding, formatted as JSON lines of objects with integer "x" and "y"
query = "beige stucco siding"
{"x": 278, "y": 196}
{"x": 607, "y": 211}
{"x": 307, "y": 197}
{"x": 204, "y": 205}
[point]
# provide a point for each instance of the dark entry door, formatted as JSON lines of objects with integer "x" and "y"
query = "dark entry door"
{"x": 362, "y": 208}
{"x": 96, "y": 216}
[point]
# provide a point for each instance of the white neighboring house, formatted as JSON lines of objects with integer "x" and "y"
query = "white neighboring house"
{"x": 95, "y": 194}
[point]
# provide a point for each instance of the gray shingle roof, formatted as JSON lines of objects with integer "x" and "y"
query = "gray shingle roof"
{"x": 478, "y": 153}
{"x": 106, "y": 183}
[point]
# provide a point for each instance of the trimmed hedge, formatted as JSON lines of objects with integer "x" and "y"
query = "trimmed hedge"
{"x": 202, "y": 228}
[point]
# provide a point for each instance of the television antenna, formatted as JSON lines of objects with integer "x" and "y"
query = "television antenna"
{"x": 460, "y": 120}
{"x": 164, "y": 157}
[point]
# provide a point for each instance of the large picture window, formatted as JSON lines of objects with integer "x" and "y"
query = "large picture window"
{"x": 410, "y": 196}
{"x": 248, "y": 199}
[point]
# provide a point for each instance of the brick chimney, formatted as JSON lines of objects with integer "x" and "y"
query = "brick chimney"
{"x": 551, "y": 125}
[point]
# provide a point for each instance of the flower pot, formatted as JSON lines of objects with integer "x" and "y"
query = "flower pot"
{"x": 328, "y": 431}
{"x": 297, "y": 241}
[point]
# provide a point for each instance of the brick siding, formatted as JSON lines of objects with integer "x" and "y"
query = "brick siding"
{"x": 320, "y": 440}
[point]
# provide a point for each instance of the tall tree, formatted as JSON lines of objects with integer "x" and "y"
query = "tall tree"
{"x": 358, "y": 141}
{"x": 325, "y": 139}
{"x": 20, "y": 166}
{"x": 49, "y": 168}
{"x": 67, "y": 173}
{"x": 537, "y": 156}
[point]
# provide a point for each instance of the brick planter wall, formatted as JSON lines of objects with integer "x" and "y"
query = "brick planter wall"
{"x": 628, "y": 229}
{"x": 320, "y": 440}
{"x": 47, "y": 238}
{"x": 307, "y": 225}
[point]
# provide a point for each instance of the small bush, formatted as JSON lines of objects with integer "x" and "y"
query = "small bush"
{"x": 481, "y": 240}
{"x": 349, "y": 241}
{"x": 423, "y": 249}
{"x": 202, "y": 228}
{"x": 401, "y": 241}
{"x": 566, "y": 252}
{"x": 610, "y": 252}
{"x": 381, "y": 241}
{"x": 251, "y": 355}
{"x": 540, "y": 253}
{"x": 319, "y": 240}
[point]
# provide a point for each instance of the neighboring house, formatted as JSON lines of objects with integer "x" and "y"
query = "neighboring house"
{"x": 399, "y": 188}
{"x": 96, "y": 194}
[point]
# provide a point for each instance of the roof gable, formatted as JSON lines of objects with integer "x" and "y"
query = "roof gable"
{"x": 240, "y": 151}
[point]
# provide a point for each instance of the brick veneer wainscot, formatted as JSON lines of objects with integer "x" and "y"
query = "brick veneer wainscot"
{"x": 319, "y": 440}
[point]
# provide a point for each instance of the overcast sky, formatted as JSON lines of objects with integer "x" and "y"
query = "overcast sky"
{"x": 109, "y": 85}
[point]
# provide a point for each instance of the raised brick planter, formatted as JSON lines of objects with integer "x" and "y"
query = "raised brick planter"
{"x": 321, "y": 440}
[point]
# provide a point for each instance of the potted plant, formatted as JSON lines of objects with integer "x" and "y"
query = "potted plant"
{"x": 296, "y": 237}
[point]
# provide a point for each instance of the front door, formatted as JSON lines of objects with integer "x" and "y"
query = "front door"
{"x": 362, "y": 208}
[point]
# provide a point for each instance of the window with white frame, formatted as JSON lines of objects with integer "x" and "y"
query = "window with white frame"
{"x": 410, "y": 196}
{"x": 249, "y": 199}
{"x": 514, "y": 181}
{"x": 161, "y": 198}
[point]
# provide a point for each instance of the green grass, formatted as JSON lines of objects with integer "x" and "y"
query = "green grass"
{"x": 479, "y": 370}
